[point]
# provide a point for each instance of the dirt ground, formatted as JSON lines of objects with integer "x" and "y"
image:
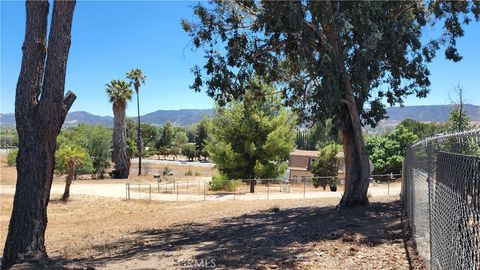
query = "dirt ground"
{"x": 112, "y": 233}
{"x": 8, "y": 174}
{"x": 310, "y": 234}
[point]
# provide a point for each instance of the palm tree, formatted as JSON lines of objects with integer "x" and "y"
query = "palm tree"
{"x": 71, "y": 158}
{"x": 119, "y": 92}
{"x": 137, "y": 77}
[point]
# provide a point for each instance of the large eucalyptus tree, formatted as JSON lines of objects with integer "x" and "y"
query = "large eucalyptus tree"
{"x": 335, "y": 60}
{"x": 137, "y": 77}
{"x": 40, "y": 110}
{"x": 119, "y": 93}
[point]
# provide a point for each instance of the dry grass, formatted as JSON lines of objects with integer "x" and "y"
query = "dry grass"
{"x": 284, "y": 234}
{"x": 112, "y": 233}
{"x": 8, "y": 174}
{"x": 100, "y": 221}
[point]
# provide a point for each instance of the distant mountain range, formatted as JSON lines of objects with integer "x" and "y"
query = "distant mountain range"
{"x": 157, "y": 118}
{"x": 428, "y": 113}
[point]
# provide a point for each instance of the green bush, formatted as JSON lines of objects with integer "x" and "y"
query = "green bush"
{"x": 189, "y": 151}
{"x": 197, "y": 174}
{"x": 12, "y": 157}
{"x": 322, "y": 182}
{"x": 220, "y": 182}
{"x": 326, "y": 163}
{"x": 189, "y": 172}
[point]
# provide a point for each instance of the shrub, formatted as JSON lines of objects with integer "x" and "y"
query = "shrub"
{"x": 197, "y": 174}
{"x": 220, "y": 182}
{"x": 326, "y": 164}
{"x": 273, "y": 209}
{"x": 189, "y": 172}
{"x": 322, "y": 182}
{"x": 189, "y": 151}
{"x": 12, "y": 157}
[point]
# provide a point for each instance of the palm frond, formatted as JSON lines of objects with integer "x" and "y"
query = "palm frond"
{"x": 136, "y": 75}
{"x": 118, "y": 91}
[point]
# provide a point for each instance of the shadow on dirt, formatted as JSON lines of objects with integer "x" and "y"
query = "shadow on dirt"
{"x": 254, "y": 240}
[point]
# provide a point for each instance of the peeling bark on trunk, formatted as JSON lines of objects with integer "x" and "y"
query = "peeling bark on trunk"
{"x": 119, "y": 155}
{"x": 357, "y": 175}
{"x": 38, "y": 124}
{"x": 357, "y": 167}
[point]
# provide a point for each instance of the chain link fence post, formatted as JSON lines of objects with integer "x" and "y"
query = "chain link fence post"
{"x": 440, "y": 192}
{"x": 430, "y": 186}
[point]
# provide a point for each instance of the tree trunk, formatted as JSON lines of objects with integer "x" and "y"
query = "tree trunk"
{"x": 356, "y": 180}
{"x": 357, "y": 167}
{"x": 119, "y": 155}
{"x": 357, "y": 176}
{"x": 139, "y": 137}
{"x": 68, "y": 182}
{"x": 252, "y": 186}
{"x": 38, "y": 123}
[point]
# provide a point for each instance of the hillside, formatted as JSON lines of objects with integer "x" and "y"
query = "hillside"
{"x": 429, "y": 113}
{"x": 177, "y": 117}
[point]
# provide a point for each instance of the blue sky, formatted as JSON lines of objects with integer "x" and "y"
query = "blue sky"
{"x": 109, "y": 38}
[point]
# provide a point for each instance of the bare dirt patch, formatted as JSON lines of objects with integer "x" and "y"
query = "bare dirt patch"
{"x": 115, "y": 234}
{"x": 110, "y": 233}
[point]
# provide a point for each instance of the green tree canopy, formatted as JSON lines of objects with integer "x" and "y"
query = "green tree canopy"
{"x": 387, "y": 151}
{"x": 317, "y": 137}
{"x": 204, "y": 129}
{"x": 167, "y": 134}
{"x": 191, "y": 131}
{"x": 422, "y": 130}
{"x": 95, "y": 139}
{"x": 458, "y": 119}
{"x": 180, "y": 138}
{"x": 252, "y": 138}
{"x": 148, "y": 133}
{"x": 332, "y": 59}
{"x": 189, "y": 151}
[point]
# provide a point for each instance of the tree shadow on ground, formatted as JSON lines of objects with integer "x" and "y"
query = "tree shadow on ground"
{"x": 254, "y": 240}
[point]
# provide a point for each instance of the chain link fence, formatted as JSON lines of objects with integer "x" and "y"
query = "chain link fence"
{"x": 441, "y": 195}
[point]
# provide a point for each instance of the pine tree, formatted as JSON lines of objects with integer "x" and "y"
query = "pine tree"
{"x": 252, "y": 138}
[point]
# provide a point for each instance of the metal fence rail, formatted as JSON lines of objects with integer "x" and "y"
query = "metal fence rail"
{"x": 265, "y": 189}
{"x": 441, "y": 194}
